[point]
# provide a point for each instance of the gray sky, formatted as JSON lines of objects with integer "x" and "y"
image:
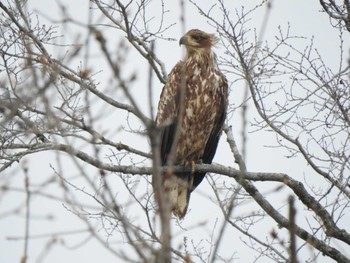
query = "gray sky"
{"x": 304, "y": 18}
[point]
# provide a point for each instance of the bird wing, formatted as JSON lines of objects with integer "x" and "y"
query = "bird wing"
{"x": 168, "y": 107}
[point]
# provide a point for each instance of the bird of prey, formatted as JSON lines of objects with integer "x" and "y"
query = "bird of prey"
{"x": 191, "y": 113}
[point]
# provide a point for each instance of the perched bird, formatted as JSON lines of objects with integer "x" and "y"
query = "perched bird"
{"x": 191, "y": 113}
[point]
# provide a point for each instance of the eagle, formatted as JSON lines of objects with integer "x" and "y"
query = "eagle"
{"x": 191, "y": 114}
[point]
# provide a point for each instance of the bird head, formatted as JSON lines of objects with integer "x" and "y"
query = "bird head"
{"x": 196, "y": 39}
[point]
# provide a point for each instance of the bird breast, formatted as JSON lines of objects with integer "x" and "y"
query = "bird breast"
{"x": 201, "y": 98}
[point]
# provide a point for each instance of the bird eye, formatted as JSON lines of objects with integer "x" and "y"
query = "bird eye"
{"x": 197, "y": 38}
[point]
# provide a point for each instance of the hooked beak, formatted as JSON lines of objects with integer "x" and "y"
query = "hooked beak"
{"x": 183, "y": 41}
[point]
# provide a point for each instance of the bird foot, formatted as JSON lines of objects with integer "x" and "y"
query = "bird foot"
{"x": 193, "y": 167}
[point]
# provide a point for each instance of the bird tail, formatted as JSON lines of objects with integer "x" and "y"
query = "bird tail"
{"x": 177, "y": 191}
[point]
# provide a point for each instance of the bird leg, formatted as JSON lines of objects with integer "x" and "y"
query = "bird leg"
{"x": 193, "y": 167}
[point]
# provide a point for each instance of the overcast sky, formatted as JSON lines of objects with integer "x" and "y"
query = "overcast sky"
{"x": 304, "y": 18}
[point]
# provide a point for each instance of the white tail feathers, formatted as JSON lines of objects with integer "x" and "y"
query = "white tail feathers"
{"x": 177, "y": 194}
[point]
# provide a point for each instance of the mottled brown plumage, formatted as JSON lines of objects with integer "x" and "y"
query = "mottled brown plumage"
{"x": 191, "y": 113}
